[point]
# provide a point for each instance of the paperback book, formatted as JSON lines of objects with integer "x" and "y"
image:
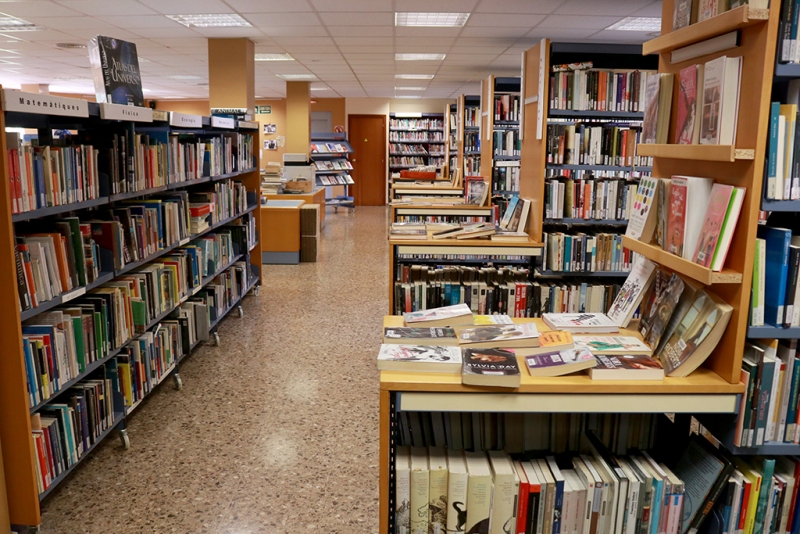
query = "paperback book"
{"x": 580, "y": 322}
{"x": 614, "y": 345}
{"x": 686, "y": 127}
{"x": 715, "y": 217}
{"x": 419, "y": 358}
{"x": 486, "y": 320}
{"x": 500, "y": 336}
{"x": 656, "y": 318}
{"x": 560, "y": 363}
{"x": 458, "y": 314}
{"x": 420, "y": 336}
{"x": 490, "y": 367}
{"x": 550, "y": 341}
{"x": 626, "y": 367}
{"x": 632, "y": 291}
{"x": 643, "y": 219}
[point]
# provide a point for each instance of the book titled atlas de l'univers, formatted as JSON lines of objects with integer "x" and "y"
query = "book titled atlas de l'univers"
{"x": 115, "y": 69}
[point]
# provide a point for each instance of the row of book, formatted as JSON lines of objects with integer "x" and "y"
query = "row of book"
{"x": 440, "y": 219}
{"x": 329, "y": 148}
{"x": 335, "y": 179}
{"x": 776, "y": 271}
{"x": 472, "y": 142}
{"x": 589, "y": 198}
{"x": 472, "y": 165}
{"x": 591, "y": 144}
{"x": 712, "y": 87}
{"x": 587, "y": 253}
{"x": 409, "y": 161}
{"x": 403, "y": 149}
{"x": 575, "y": 296}
{"x": 505, "y": 178}
{"x": 595, "y": 492}
{"x": 688, "y": 12}
{"x": 332, "y": 165}
{"x": 416, "y": 124}
{"x": 506, "y": 142}
{"x": 416, "y": 137}
{"x": 506, "y": 108}
{"x": 472, "y": 117}
{"x": 788, "y": 49}
{"x": 783, "y": 155}
{"x": 580, "y": 87}
{"x": 688, "y": 216}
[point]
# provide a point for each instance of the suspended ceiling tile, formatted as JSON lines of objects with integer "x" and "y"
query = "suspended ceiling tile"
{"x": 600, "y": 7}
{"x": 352, "y": 5}
{"x": 572, "y": 22}
{"x": 34, "y": 9}
{"x": 97, "y": 8}
{"x": 439, "y": 6}
{"x": 283, "y": 19}
{"x": 271, "y": 6}
{"x": 519, "y": 6}
{"x": 276, "y": 31}
{"x": 358, "y": 19}
{"x": 290, "y": 40}
{"x": 365, "y": 41}
{"x": 182, "y": 7}
{"x": 489, "y": 31}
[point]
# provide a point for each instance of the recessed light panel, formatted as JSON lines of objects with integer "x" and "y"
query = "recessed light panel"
{"x": 409, "y": 88}
{"x": 319, "y": 88}
{"x": 297, "y": 77}
{"x": 211, "y": 20}
{"x": 637, "y": 24}
{"x": 419, "y": 57}
{"x": 408, "y": 96}
{"x": 432, "y": 20}
{"x": 10, "y": 23}
{"x": 414, "y": 76}
{"x": 274, "y": 57}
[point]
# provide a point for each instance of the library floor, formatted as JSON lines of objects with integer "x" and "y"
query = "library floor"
{"x": 276, "y": 430}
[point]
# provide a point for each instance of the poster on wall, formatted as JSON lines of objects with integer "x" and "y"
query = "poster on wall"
{"x": 270, "y": 144}
{"x": 270, "y": 129}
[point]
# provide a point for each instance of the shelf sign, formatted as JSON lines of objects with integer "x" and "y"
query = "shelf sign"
{"x": 263, "y": 110}
{"x": 44, "y": 104}
{"x": 248, "y": 125}
{"x": 160, "y": 115}
{"x": 119, "y": 112}
{"x": 223, "y": 122}
{"x": 184, "y": 120}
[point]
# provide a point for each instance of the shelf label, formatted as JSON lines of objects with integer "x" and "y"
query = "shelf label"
{"x": 73, "y": 294}
{"x": 44, "y": 104}
{"x": 119, "y": 112}
{"x": 249, "y": 125}
{"x": 223, "y": 122}
{"x": 184, "y": 120}
{"x": 160, "y": 115}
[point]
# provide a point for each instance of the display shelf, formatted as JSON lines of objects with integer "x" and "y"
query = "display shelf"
{"x": 681, "y": 265}
{"x": 589, "y": 274}
{"x": 791, "y": 206}
{"x": 773, "y": 332}
{"x": 722, "y": 153}
{"x": 723, "y": 23}
{"x": 573, "y": 113}
{"x": 588, "y": 222}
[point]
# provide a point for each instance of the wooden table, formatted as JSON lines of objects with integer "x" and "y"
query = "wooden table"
{"x": 280, "y": 220}
{"x": 316, "y": 196}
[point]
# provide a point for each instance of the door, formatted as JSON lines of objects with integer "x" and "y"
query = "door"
{"x": 367, "y": 135}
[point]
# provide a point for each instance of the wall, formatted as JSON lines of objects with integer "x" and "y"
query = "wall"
{"x": 191, "y": 107}
{"x": 278, "y": 118}
{"x": 336, "y": 106}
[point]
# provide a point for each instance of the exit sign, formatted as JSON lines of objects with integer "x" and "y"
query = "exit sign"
{"x": 263, "y": 110}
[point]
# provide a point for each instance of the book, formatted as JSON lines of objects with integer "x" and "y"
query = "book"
{"x": 115, "y": 69}
{"x": 658, "y": 102}
{"x": 685, "y": 131}
{"x": 776, "y": 271}
{"x": 682, "y": 14}
{"x": 707, "y": 9}
{"x": 479, "y": 493}
{"x": 655, "y": 319}
{"x": 476, "y": 191}
{"x": 420, "y": 336}
{"x": 728, "y": 226}
{"x": 615, "y": 345}
{"x": 402, "y": 469}
{"x": 419, "y": 358}
{"x": 720, "y": 101}
{"x": 457, "y": 483}
{"x": 550, "y": 341}
{"x": 490, "y": 367}
{"x": 696, "y": 336}
{"x": 580, "y": 322}
{"x": 419, "y": 490}
{"x": 689, "y": 198}
{"x": 437, "y": 489}
{"x": 643, "y": 215}
{"x": 486, "y": 320}
{"x": 757, "y": 303}
{"x": 500, "y": 336}
{"x": 445, "y": 316}
{"x": 631, "y": 292}
{"x": 506, "y": 488}
{"x": 712, "y": 226}
{"x": 626, "y": 367}
{"x": 560, "y": 362}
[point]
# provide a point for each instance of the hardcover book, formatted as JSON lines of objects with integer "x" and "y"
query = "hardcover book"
{"x": 687, "y": 101}
{"x": 631, "y": 292}
{"x": 682, "y": 15}
{"x": 499, "y": 336}
{"x": 642, "y": 221}
{"x": 560, "y": 363}
{"x": 580, "y": 322}
{"x": 115, "y": 69}
{"x": 627, "y": 367}
{"x": 420, "y": 336}
{"x": 676, "y": 219}
{"x": 445, "y": 316}
{"x": 490, "y": 367}
{"x": 419, "y": 358}
{"x": 614, "y": 345}
{"x": 720, "y": 101}
{"x": 728, "y": 226}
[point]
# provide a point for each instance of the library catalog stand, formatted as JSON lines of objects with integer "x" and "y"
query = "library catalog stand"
{"x": 332, "y": 169}
{"x": 95, "y": 124}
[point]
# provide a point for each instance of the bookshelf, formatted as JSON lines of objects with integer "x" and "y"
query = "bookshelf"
{"x": 499, "y": 131}
{"x": 470, "y": 155}
{"x": 332, "y": 168}
{"x": 457, "y": 213}
{"x": 19, "y": 454}
{"x": 452, "y": 129}
{"x": 416, "y": 139}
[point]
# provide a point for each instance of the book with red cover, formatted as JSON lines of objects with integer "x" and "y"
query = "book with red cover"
{"x": 676, "y": 221}
{"x": 715, "y": 217}
{"x": 687, "y": 106}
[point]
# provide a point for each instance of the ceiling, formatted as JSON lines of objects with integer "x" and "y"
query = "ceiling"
{"x": 349, "y": 45}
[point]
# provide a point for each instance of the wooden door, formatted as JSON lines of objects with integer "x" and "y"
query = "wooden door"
{"x": 367, "y": 135}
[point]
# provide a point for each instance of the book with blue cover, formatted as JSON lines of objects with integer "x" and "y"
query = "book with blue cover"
{"x": 776, "y": 271}
{"x": 115, "y": 69}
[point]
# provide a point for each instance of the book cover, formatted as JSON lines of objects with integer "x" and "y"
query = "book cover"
{"x": 560, "y": 363}
{"x": 707, "y": 9}
{"x": 776, "y": 270}
{"x": 642, "y": 217}
{"x": 508, "y": 335}
{"x": 476, "y": 192}
{"x": 711, "y": 115}
{"x": 682, "y": 14}
{"x": 453, "y": 315}
{"x": 415, "y": 336}
{"x": 650, "y": 124}
{"x": 115, "y": 69}
{"x": 580, "y": 322}
{"x": 419, "y": 358}
{"x": 490, "y": 367}
{"x": 631, "y": 292}
{"x": 687, "y": 97}
{"x": 655, "y": 320}
{"x": 486, "y": 320}
{"x": 712, "y": 226}
{"x": 612, "y": 345}
{"x": 728, "y": 226}
{"x": 626, "y": 367}
{"x": 676, "y": 219}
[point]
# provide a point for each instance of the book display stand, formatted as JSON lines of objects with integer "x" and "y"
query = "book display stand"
{"x": 330, "y": 158}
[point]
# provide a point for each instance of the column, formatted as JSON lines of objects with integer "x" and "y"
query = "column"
{"x": 231, "y": 74}
{"x": 298, "y": 117}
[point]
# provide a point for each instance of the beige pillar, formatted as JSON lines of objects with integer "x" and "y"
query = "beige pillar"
{"x": 298, "y": 117}
{"x": 38, "y": 88}
{"x": 231, "y": 74}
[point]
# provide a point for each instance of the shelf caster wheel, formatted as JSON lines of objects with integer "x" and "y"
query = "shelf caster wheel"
{"x": 216, "y": 339}
{"x": 240, "y": 311}
{"x": 178, "y": 381}
{"x": 126, "y": 441}
{"x": 255, "y": 290}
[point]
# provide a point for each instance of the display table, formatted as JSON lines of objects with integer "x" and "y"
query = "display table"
{"x": 280, "y": 220}
{"x": 316, "y": 196}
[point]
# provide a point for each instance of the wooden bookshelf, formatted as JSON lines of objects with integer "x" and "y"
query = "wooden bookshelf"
{"x": 490, "y": 87}
{"x": 458, "y": 210}
{"x": 15, "y": 411}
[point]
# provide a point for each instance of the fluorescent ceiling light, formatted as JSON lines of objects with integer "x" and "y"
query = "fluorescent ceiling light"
{"x": 414, "y": 76}
{"x": 408, "y": 96}
{"x": 637, "y": 24}
{"x": 436, "y": 20}
{"x": 211, "y": 20}
{"x": 320, "y": 88}
{"x": 419, "y": 57}
{"x": 9, "y": 23}
{"x": 409, "y": 88}
{"x": 143, "y": 60}
{"x": 184, "y": 77}
{"x": 274, "y": 57}
{"x": 296, "y": 77}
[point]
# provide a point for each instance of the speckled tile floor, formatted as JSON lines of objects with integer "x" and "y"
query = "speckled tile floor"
{"x": 276, "y": 430}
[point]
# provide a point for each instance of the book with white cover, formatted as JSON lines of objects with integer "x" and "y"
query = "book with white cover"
{"x": 643, "y": 215}
{"x": 506, "y": 489}
{"x": 698, "y": 193}
{"x": 580, "y": 322}
{"x": 500, "y": 336}
{"x": 420, "y": 486}
{"x": 720, "y": 106}
{"x": 445, "y": 316}
{"x": 456, "y": 489}
{"x": 402, "y": 469}
{"x": 632, "y": 291}
{"x": 419, "y": 358}
{"x": 479, "y": 492}
{"x": 437, "y": 489}
{"x": 615, "y": 345}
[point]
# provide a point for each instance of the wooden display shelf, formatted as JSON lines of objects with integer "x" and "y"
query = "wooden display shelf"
{"x": 726, "y": 153}
{"x": 681, "y": 265}
{"x": 713, "y": 27}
